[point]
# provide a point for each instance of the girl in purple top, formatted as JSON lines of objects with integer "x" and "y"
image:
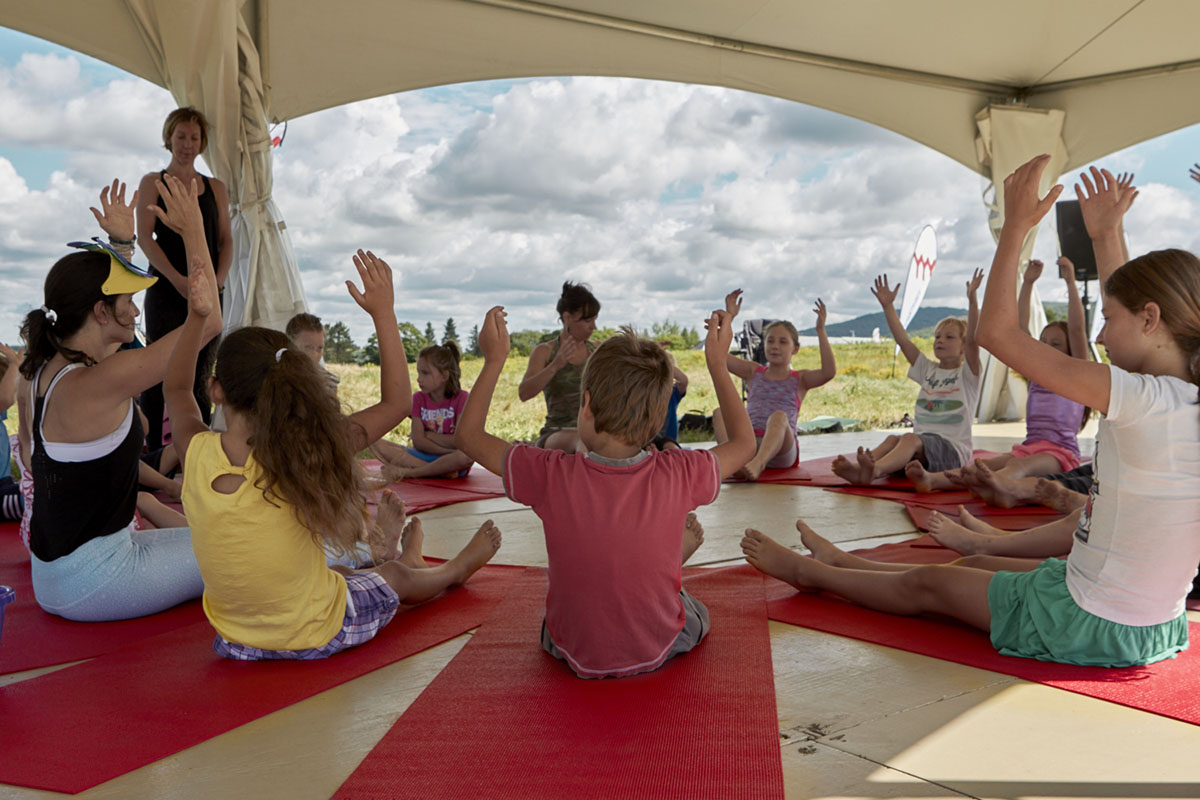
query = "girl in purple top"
{"x": 435, "y": 413}
{"x": 774, "y": 392}
{"x": 1052, "y": 422}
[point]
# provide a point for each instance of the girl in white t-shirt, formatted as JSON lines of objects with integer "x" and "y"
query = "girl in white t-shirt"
{"x": 1118, "y": 599}
{"x": 941, "y": 435}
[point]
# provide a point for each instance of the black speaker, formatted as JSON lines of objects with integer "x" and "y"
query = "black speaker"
{"x": 1073, "y": 240}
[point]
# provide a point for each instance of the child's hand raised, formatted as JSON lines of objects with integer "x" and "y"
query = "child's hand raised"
{"x": 202, "y": 288}
{"x": 975, "y": 282}
{"x": 1102, "y": 201}
{"x": 377, "y": 295}
{"x": 733, "y": 303}
{"x": 718, "y": 334}
{"x": 1066, "y": 270}
{"x": 819, "y": 309}
{"x": 494, "y": 342}
{"x": 1195, "y": 172}
{"x": 1022, "y": 207}
{"x": 182, "y": 213}
{"x": 884, "y": 294}
{"x": 10, "y": 355}
{"x": 1033, "y": 270}
{"x": 114, "y": 216}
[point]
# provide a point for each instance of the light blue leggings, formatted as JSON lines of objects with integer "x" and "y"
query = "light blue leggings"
{"x": 123, "y": 575}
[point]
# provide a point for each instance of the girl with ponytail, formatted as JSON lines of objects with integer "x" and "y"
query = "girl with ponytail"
{"x": 269, "y": 497}
{"x": 1118, "y": 598}
{"x": 89, "y": 563}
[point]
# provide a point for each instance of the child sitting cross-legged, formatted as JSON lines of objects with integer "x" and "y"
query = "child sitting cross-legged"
{"x": 616, "y": 518}
{"x": 435, "y": 412}
{"x": 774, "y": 392}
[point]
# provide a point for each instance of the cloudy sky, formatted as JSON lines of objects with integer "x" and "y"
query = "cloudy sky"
{"x": 662, "y": 196}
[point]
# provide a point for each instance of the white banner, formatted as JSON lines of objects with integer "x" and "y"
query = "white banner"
{"x": 920, "y": 272}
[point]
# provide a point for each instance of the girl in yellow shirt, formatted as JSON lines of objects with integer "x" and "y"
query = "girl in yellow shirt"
{"x": 266, "y": 498}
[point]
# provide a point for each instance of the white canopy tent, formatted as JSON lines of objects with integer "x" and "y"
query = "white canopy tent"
{"x": 989, "y": 86}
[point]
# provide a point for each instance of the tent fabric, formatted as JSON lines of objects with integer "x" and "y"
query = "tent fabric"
{"x": 922, "y": 68}
{"x": 1110, "y": 73}
{"x": 1008, "y": 137}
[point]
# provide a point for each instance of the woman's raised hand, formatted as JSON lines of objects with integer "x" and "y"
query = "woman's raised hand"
{"x": 114, "y": 215}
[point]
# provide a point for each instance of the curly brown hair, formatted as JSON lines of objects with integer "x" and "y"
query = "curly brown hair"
{"x": 300, "y": 438}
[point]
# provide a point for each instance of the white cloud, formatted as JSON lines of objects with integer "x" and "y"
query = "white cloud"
{"x": 663, "y": 196}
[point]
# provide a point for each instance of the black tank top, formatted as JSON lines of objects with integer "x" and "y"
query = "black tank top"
{"x": 166, "y": 309}
{"x": 77, "y": 501}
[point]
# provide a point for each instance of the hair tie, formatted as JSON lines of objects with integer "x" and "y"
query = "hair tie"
{"x": 279, "y": 354}
{"x": 50, "y": 314}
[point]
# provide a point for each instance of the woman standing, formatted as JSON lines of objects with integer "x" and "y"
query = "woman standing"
{"x": 185, "y": 136}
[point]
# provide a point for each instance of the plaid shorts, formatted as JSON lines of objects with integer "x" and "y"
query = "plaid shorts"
{"x": 370, "y": 604}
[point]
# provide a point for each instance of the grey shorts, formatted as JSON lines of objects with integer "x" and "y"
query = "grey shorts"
{"x": 788, "y": 455}
{"x": 695, "y": 627}
{"x": 939, "y": 454}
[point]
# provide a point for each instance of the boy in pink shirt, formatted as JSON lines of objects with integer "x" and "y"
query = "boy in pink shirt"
{"x": 616, "y": 518}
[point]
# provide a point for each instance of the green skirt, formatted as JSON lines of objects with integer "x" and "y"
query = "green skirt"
{"x": 1034, "y": 616}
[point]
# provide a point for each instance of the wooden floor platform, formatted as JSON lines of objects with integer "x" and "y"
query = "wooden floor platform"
{"x": 856, "y": 720}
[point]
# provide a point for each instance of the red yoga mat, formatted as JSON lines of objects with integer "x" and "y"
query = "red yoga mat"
{"x": 86, "y": 724}
{"x": 506, "y": 720}
{"x": 33, "y": 638}
{"x": 1170, "y": 688}
{"x": 422, "y": 494}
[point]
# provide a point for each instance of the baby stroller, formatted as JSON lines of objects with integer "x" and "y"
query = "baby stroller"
{"x": 749, "y": 343}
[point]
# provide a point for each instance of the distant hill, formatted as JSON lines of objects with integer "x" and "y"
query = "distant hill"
{"x": 922, "y": 325}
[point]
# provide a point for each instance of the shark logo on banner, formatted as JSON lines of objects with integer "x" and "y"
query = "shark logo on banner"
{"x": 920, "y": 272}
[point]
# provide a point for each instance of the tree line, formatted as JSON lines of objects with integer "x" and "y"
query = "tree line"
{"x": 341, "y": 349}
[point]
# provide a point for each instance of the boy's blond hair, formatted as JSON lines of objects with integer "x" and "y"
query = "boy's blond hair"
{"x": 628, "y": 384}
{"x": 957, "y": 322}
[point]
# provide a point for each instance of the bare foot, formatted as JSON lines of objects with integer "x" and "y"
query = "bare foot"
{"x": 949, "y": 533}
{"x": 693, "y": 536}
{"x": 866, "y": 466}
{"x": 976, "y": 486}
{"x": 1005, "y": 492}
{"x": 1054, "y": 495}
{"x": 821, "y": 548}
{"x": 390, "y": 519}
{"x": 973, "y": 523}
{"x": 742, "y": 475}
{"x": 412, "y": 540}
{"x": 751, "y": 471}
{"x": 479, "y": 551}
{"x": 921, "y": 480}
{"x": 769, "y": 556}
{"x": 845, "y": 469}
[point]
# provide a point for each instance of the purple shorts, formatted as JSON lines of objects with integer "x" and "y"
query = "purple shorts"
{"x": 370, "y": 604}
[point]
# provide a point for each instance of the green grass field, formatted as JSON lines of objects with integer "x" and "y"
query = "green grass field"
{"x": 864, "y": 389}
